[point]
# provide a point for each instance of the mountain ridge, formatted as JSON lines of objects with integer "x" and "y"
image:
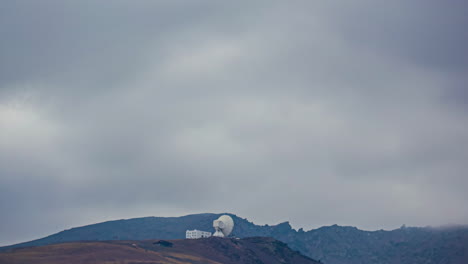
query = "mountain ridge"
{"x": 332, "y": 244}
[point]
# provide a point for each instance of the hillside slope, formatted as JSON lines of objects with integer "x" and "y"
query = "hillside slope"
{"x": 154, "y": 227}
{"x": 331, "y": 244}
{"x": 208, "y": 251}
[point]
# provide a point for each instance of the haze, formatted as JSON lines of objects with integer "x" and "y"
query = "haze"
{"x": 314, "y": 112}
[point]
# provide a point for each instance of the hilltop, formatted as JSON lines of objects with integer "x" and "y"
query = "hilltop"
{"x": 330, "y": 244}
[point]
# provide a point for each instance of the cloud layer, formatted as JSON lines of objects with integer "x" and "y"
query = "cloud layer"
{"x": 313, "y": 112}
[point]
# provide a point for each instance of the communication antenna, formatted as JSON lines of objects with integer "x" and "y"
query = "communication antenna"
{"x": 223, "y": 226}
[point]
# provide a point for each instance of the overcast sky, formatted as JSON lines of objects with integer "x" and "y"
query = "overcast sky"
{"x": 313, "y": 112}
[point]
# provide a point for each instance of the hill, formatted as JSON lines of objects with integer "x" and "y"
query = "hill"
{"x": 207, "y": 251}
{"x": 331, "y": 244}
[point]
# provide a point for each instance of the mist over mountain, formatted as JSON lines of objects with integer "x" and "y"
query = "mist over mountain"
{"x": 330, "y": 244}
{"x": 318, "y": 112}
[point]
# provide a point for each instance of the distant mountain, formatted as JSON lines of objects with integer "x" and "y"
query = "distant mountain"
{"x": 331, "y": 244}
{"x": 212, "y": 250}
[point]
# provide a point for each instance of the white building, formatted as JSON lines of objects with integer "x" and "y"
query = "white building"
{"x": 194, "y": 234}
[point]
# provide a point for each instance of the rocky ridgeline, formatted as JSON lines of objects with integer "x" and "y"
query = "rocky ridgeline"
{"x": 331, "y": 244}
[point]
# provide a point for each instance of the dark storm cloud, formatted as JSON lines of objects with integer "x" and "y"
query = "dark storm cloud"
{"x": 318, "y": 113}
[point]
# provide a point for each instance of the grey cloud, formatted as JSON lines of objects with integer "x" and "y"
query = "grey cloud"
{"x": 307, "y": 112}
{"x": 426, "y": 33}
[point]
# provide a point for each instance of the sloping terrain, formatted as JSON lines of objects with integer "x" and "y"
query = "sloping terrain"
{"x": 349, "y": 245}
{"x": 331, "y": 244}
{"x": 209, "y": 251}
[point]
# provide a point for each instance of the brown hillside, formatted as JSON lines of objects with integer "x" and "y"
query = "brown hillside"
{"x": 209, "y": 251}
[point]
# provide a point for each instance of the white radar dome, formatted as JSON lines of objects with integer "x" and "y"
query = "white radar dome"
{"x": 223, "y": 226}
